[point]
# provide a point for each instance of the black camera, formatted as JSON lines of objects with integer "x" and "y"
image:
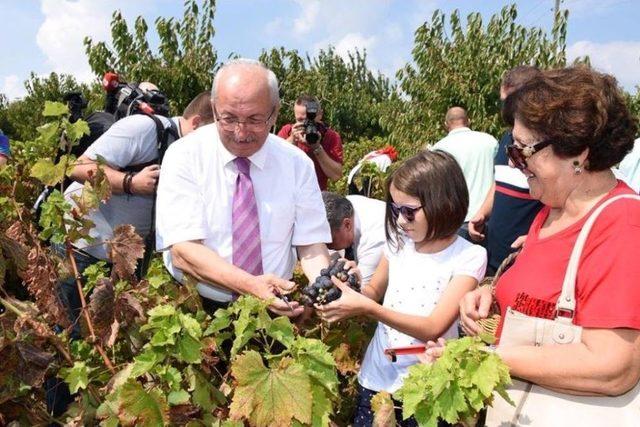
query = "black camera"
{"x": 131, "y": 99}
{"x": 76, "y": 102}
{"x": 311, "y": 130}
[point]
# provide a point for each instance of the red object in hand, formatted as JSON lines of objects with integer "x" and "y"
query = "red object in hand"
{"x": 110, "y": 81}
{"x": 403, "y": 351}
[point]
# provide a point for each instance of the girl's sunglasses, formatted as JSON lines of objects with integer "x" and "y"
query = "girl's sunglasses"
{"x": 408, "y": 212}
{"x": 519, "y": 154}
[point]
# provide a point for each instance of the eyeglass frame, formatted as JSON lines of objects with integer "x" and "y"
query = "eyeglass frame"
{"x": 520, "y": 154}
{"x": 231, "y": 127}
{"x": 408, "y": 212}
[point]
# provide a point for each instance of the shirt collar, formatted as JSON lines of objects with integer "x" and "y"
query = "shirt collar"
{"x": 176, "y": 121}
{"x": 459, "y": 130}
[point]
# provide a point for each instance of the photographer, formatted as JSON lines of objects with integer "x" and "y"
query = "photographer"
{"x": 314, "y": 137}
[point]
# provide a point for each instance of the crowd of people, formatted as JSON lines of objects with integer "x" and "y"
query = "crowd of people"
{"x": 236, "y": 207}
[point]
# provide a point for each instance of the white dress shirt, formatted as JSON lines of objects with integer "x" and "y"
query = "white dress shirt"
{"x": 195, "y": 197}
{"x": 369, "y": 238}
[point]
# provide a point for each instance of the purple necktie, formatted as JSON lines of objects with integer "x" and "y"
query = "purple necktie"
{"x": 245, "y": 223}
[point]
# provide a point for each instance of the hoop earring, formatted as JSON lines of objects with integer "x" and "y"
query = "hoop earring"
{"x": 577, "y": 169}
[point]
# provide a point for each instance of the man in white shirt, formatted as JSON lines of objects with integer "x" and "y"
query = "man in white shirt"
{"x": 357, "y": 226}
{"x": 233, "y": 182}
{"x": 474, "y": 151}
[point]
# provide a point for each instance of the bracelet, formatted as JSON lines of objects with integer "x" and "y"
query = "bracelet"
{"x": 126, "y": 182}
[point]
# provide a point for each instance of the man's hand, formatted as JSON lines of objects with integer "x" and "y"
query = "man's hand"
{"x": 145, "y": 181}
{"x": 297, "y": 133}
{"x": 269, "y": 288}
{"x": 477, "y": 228}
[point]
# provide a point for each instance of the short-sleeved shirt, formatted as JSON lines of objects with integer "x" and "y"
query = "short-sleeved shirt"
{"x": 474, "y": 151}
{"x": 607, "y": 291}
{"x": 416, "y": 283}
{"x": 513, "y": 207}
{"x": 369, "y": 238}
{"x": 195, "y": 199}
{"x": 4, "y": 146}
{"x": 130, "y": 141}
{"x": 332, "y": 145}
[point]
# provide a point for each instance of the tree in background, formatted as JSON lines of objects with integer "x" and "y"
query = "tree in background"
{"x": 183, "y": 64}
{"x": 350, "y": 93}
{"x": 19, "y": 119}
{"x": 463, "y": 65}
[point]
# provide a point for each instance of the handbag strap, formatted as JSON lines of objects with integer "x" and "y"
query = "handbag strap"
{"x": 566, "y": 304}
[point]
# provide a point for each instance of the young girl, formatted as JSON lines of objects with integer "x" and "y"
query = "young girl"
{"x": 424, "y": 272}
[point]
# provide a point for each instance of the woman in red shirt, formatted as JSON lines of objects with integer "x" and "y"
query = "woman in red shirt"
{"x": 570, "y": 126}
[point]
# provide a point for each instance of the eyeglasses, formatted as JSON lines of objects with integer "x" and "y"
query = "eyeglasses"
{"x": 519, "y": 154}
{"x": 229, "y": 123}
{"x": 408, "y": 212}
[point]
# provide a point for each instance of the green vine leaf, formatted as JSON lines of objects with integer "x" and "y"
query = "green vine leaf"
{"x": 77, "y": 376}
{"x": 270, "y": 396}
{"x": 54, "y": 109}
{"x": 142, "y": 407}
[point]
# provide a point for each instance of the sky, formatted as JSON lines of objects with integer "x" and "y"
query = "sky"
{"x": 42, "y": 36}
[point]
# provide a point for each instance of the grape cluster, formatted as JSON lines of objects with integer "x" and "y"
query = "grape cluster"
{"x": 323, "y": 291}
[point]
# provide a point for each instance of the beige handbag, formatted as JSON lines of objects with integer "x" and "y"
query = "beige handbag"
{"x": 536, "y": 406}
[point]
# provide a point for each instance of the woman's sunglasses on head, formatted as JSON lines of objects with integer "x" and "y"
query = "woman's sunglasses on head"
{"x": 408, "y": 212}
{"x": 519, "y": 154}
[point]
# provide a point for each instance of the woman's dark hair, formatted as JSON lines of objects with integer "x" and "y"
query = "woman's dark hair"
{"x": 576, "y": 108}
{"x": 435, "y": 178}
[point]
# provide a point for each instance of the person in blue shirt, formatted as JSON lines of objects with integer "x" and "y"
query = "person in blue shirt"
{"x": 5, "y": 153}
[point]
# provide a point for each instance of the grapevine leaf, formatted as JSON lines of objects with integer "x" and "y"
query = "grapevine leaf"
{"x": 41, "y": 279}
{"x": 270, "y": 396}
{"x": 46, "y": 172}
{"x": 345, "y": 360}
{"x": 101, "y": 309}
{"x": 171, "y": 376}
{"x": 244, "y": 329}
{"x": 179, "y": 397}
{"x": 188, "y": 349}
{"x": 142, "y": 407}
{"x": 203, "y": 393}
{"x": 425, "y": 415}
{"x": 144, "y": 362}
{"x": 315, "y": 357}
{"x": 281, "y": 329}
{"x": 54, "y": 109}
{"x": 486, "y": 376}
{"x": 77, "y": 376}
{"x": 190, "y": 325}
{"x": 450, "y": 403}
{"x": 184, "y": 415}
{"x": 101, "y": 185}
{"x": 76, "y": 130}
{"x": 384, "y": 414}
{"x": 321, "y": 409}
{"x": 25, "y": 362}
{"x": 124, "y": 250}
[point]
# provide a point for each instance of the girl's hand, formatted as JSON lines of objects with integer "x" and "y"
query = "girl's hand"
{"x": 434, "y": 350}
{"x": 350, "y": 304}
{"x": 474, "y": 306}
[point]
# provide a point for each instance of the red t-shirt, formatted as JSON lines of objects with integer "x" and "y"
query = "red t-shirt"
{"x": 332, "y": 144}
{"x": 608, "y": 280}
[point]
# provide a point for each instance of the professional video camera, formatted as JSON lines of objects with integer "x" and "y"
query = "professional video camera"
{"x": 312, "y": 131}
{"x": 124, "y": 99}
{"x": 76, "y": 103}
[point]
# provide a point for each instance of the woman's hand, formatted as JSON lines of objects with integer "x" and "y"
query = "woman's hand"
{"x": 434, "y": 350}
{"x": 352, "y": 268}
{"x": 350, "y": 303}
{"x": 474, "y": 306}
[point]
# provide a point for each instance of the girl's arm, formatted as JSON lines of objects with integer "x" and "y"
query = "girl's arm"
{"x": 606, "y": 362}
{"x": 377, "y": 287}
{"x": 424, "y": 328}
{"x": 434, "y": 325}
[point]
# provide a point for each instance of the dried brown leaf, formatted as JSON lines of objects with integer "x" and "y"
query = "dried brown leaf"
{"x": 124, "y": 251}
{"x": 24, "y": 362}
{"x": 101, "y": 309}
{"x": 128, "y": 307}
{"x": 182, "y": 414}
{"x": 41, "y": 279}
{"x": 384, "y": 414}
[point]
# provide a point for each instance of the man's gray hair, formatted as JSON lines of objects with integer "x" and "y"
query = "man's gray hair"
{"x": 272, "y": 80}
{"x": 338, "y": 208}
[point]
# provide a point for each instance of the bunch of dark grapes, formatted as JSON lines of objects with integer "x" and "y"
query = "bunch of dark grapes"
{"x": 323, "y": 291}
